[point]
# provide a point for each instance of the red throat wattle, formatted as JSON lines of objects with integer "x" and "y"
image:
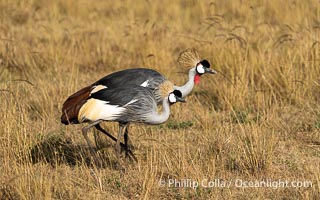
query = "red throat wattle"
{"x": 196, "y": 79}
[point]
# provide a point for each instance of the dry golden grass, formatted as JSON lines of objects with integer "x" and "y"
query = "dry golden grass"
{"x": 259, "y": 118}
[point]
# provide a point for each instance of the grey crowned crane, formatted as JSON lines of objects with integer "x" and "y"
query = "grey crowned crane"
{"x": 130, "y": 103}
{"x": 138, "y": 76}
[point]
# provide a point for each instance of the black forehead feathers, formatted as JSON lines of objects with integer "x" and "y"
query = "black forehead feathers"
{"x": 177, "y": 93}
{"x": 205, "y": 63}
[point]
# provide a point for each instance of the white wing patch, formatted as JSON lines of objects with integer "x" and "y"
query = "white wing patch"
{"x": 95, "y": 109}
{"x": 145, "y": 84}
{"x": 97, "y": 88}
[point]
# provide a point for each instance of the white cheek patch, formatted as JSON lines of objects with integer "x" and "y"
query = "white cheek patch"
{"x": 172, "y": 98}
{"x": 200, "y": 69}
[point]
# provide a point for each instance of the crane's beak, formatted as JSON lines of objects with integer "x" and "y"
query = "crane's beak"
{"x": 180, "y": 99}
{"x": 210, "y": 71}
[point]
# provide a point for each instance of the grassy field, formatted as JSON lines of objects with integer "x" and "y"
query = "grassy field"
{"x": 257, "y": 120}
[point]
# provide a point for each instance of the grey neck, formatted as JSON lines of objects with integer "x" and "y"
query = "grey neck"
{"x": 187, "y": 88}
{"x": 159, "y": 118}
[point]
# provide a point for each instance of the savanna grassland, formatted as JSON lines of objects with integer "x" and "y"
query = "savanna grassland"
{"x": 257, "y": 119}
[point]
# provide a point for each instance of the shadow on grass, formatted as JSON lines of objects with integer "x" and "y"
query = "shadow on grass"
{"x": 56, "y": 149}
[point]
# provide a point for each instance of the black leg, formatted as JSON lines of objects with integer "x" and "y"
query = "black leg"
{"x": 98, "y": 127}
{"x": 124, "y": 147}
{"x": 127, "y": 142}
{"x": 125, "y": 137}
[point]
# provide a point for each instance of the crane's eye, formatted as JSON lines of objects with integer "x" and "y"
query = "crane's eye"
{"x": 200, "y": 69}
{"x": 172, "y": 98}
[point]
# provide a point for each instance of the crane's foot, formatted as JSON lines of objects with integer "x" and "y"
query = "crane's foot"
{"x": 128, "y": 152}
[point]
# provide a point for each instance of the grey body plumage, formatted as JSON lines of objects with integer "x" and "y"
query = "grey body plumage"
{"x": 135, "y": 76}
{"x": 138, "y": 102}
